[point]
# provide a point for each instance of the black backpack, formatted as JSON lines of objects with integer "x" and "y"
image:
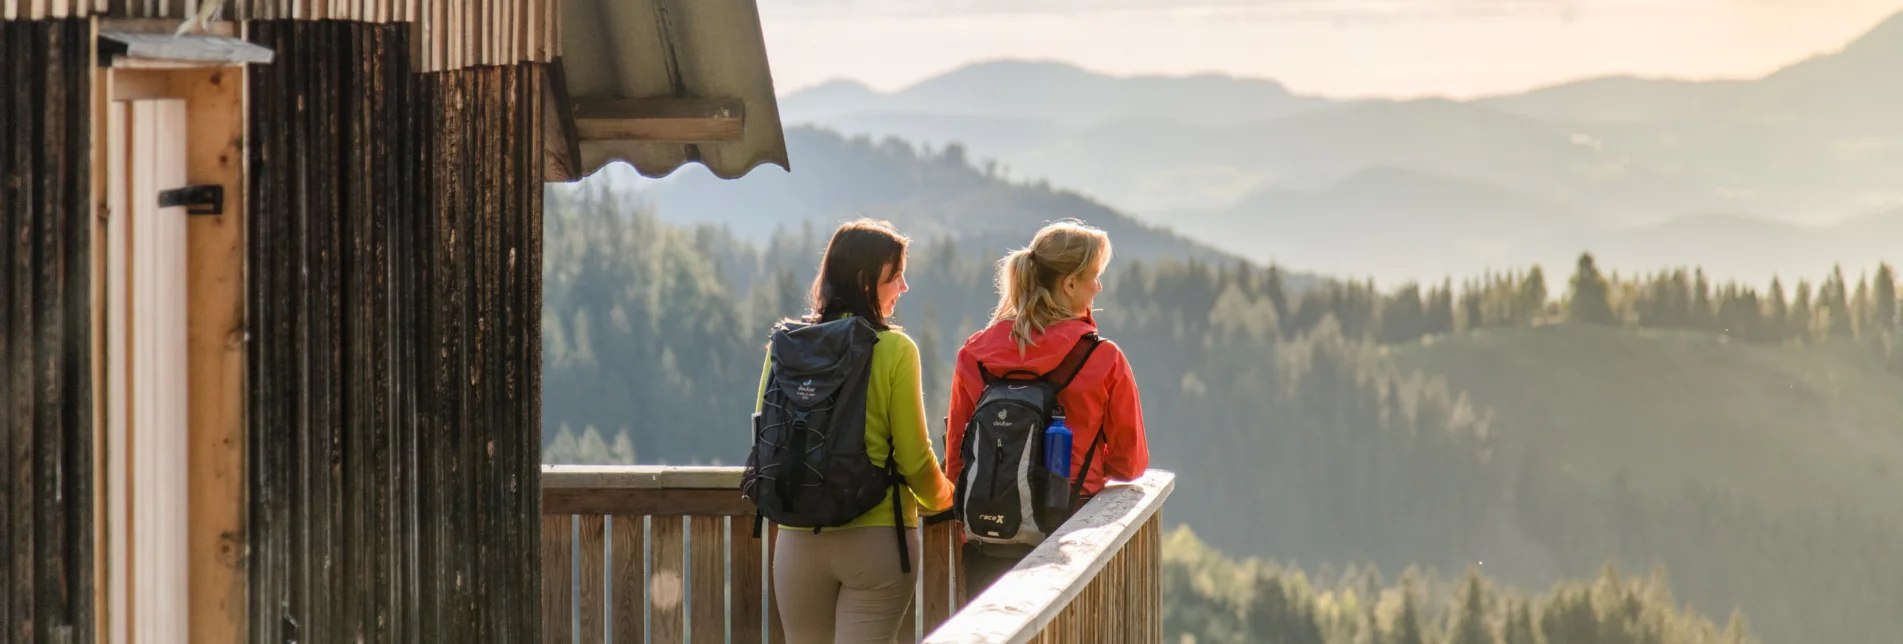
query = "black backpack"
{"x": 1000, "y": 495}
{"x": 808, "y": 465}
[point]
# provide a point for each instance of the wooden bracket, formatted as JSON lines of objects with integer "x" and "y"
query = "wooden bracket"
{"x": 661, "y": 120}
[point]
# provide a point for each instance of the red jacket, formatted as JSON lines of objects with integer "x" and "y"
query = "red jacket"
{"x": 1103, "y": 398}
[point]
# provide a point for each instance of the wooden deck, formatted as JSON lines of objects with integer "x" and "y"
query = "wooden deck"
{"x": 667, "y": 554}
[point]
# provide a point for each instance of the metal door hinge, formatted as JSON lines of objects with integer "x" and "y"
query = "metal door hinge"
{"x": 198, "y": 200}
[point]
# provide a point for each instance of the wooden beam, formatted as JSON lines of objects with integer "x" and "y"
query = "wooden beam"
{"x": 215, "y": 154}
{"x": 635, "y": 501}
{"x": 561, "y": 158}
{"x": 1016, "y": 608}
{"x": 661, "y": 120}
{"x": 639, "y": 477}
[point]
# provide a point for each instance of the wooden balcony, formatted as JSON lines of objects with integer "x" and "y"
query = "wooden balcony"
{"x": 667, "y": 554}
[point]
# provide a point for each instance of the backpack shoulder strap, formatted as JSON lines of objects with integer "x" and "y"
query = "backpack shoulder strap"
{"x": 1066, "y": 371}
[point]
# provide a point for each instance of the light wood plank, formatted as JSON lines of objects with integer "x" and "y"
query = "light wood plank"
{"x": 118, "y": 557}
{"x": 592, "y": 598}
{"x": 158, "y": 443}
{"x": 101, "y": 191}
{"x": 637, "y": 501}
{"x": 667, "y": 579}
{"x": 936, "y": 568}
{"x": 215, "y": 156}
{"x": 558, "y": 578}
{"x": 646, "y": 477}
{"x": 630, "y": 591}
{"x": 707, "y": 607}
{"x": 1031, "y": 596}
{"x": 747, "y": 583}
{"x": 668, "y": 120}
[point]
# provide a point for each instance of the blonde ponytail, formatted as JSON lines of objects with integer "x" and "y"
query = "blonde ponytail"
{"x": 1028, "y": 278}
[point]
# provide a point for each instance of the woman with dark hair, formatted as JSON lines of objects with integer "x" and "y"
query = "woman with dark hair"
{"x": 845, "y": 583}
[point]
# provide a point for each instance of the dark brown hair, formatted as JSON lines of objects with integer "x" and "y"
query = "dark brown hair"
{"x": 848, "y": 281}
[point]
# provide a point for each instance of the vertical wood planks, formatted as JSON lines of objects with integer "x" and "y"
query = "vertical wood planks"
{"x": 746, "y": 583}
{"x": 46, "y": 384}
{"x": 591, "y": 599}
{"x": 708, "y": 604}
{"x": 557, "y": 579}
{"x": 667, "y": 579}
{"x": 937, "y": 571}
{"x": 393, "y": 410}
{"x": 628, "y": 590}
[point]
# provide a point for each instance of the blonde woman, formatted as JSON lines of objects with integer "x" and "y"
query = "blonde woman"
{"x": 1044, "y": 309}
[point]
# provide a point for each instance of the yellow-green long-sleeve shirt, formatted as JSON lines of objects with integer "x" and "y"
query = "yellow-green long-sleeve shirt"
{"x": 895, "y": 421}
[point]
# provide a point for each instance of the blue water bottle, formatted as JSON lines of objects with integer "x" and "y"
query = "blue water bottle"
{"x": 1057, "y": 440}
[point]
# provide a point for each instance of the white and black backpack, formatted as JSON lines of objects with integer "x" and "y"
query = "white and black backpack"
{"x": 1001, "y": 493}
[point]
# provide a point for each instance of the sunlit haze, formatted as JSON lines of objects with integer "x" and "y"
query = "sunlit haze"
{"x": 1341, "y": 48}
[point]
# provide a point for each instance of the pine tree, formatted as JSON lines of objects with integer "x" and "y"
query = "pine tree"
{"x": 1834, "y": 305}
{"x": 1802, "y": 318}
{"x": 1533, "y": 293}
{"x": 1519, "y": 626}
{"x": 1440, "y": 308}
{"x": 1884, "y": 303}
{"x": 1778, "y": 316}
{"x": 1273, "y": 289}
{"x": 1590, "y": 294}
{"x": 1701, "y": 309}
{"x": 1469, "y": 625}
{"x": 1861, "y": 311}
{"x": 1407, "y": 625}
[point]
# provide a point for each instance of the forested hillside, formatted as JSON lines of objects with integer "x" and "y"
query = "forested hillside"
{"x": 1544, "y": 426}
{"x": 1213, "y": 599}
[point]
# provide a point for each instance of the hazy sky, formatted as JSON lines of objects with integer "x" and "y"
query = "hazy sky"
{"x": 1454, "y": 48}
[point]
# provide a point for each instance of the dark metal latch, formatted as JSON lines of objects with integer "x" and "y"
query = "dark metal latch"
{"x": 198, "y": 200}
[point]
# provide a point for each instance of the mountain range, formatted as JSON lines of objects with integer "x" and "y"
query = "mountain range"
{"x": 1742, "y": 170}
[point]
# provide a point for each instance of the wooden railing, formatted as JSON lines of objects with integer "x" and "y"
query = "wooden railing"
{"x": 1097, "y": 579}
{"x": 667, "y": 554}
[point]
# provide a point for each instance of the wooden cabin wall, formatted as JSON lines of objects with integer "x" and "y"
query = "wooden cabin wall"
{"x": 394, "y": 302}
{"x": 46, "y": 437}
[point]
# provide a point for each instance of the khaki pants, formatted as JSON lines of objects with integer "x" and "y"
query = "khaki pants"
{"x": 842, "y": 586}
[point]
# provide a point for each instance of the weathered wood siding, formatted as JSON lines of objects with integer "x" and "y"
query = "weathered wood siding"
{"x": 393, "y": 297}
{"x": 46, "y": 438}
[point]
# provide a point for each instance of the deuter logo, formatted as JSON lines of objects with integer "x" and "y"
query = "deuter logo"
{"x": 806, "y": 389}
{"x": 999, "y": 518}
{"x": 1004, "y": 418}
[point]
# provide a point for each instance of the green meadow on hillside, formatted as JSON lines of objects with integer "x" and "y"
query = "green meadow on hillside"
{"x": 1788, "y": 425}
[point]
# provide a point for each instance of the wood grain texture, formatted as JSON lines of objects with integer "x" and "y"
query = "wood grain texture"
{"x": 627, "y": 583}
{"x": 667, "y": 579}
{"x": 1057, "y": 576}
{"x": 591, "y": 598}
{"x": 664, "y": 502}
{"x": 557, "y": 579}
{"x": 707, "y": 601}
{"x": 47, "y": 501}
{"x": 747, "y": 584}
{"x": 392, "y": 409}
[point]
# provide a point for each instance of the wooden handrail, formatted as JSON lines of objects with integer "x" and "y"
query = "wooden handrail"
{"x": 1027, "y": 600}
{"x": 673, "y": 546}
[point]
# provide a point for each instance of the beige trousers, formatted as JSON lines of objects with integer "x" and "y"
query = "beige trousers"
{"x": 842, "y": 586}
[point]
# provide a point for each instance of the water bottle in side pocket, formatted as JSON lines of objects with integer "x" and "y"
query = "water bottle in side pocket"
{"x": 1057, "y": 440}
